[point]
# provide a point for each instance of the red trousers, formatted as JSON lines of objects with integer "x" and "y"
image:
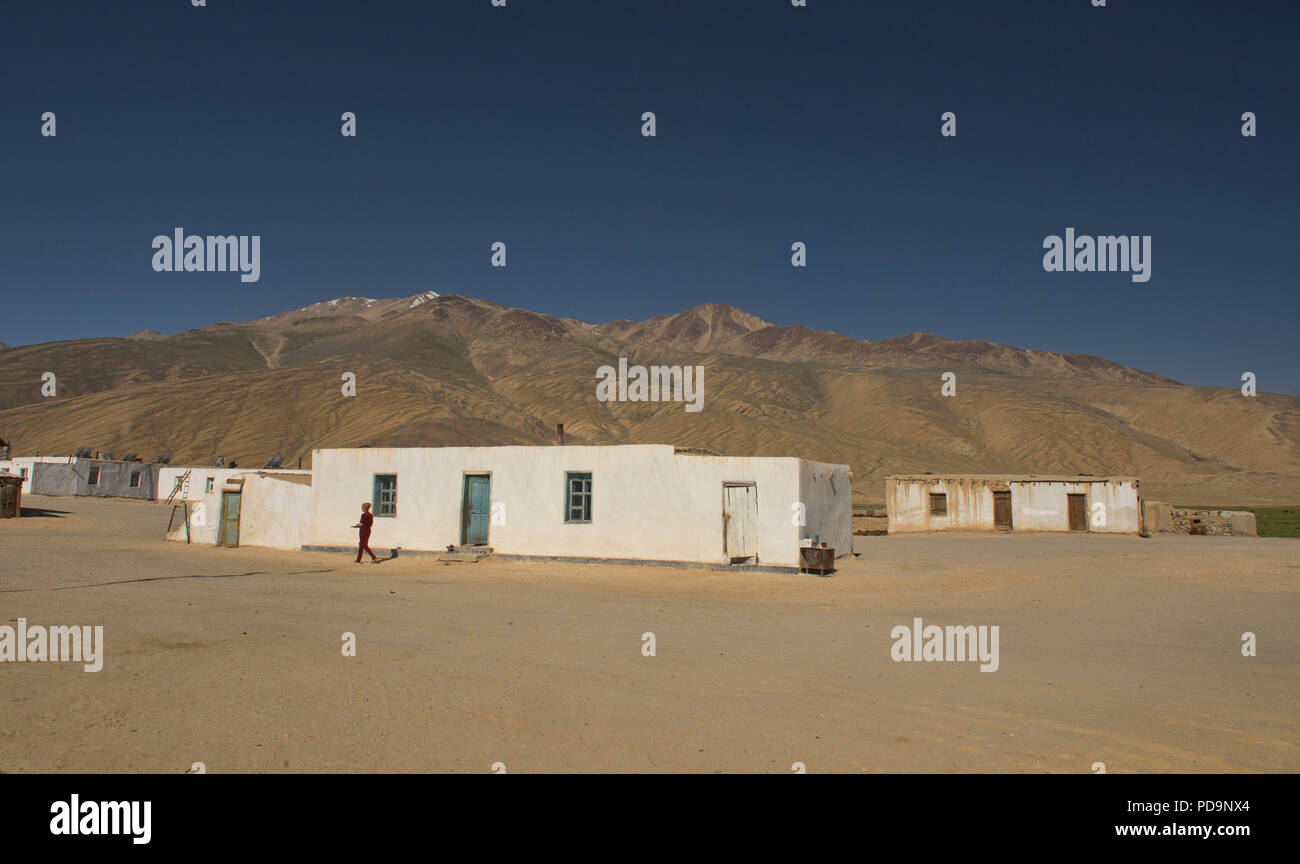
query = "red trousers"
{"x": 365, "y": 546}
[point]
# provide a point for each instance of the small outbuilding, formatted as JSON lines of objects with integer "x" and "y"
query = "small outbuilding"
{"x": 11, "y": 496}
{"x": 248, "y": 508}
{"x": 101, "y": 478}
{"x": 991, "y": 502}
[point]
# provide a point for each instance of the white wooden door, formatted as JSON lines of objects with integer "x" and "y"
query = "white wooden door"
{"x": 740, "y": 520}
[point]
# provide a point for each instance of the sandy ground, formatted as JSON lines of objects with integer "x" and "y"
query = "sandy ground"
{"x": 1113, "y": 649}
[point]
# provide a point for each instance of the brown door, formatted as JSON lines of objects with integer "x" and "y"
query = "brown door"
{"x": 1002, "y": 511}
{"x": 229, "y": 533}
{"x": 1078, "y": 512}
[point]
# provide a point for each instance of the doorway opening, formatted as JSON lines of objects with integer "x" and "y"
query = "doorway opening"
{"x": 1002, "y": 511}
{"x": 230, "y": 506}
{"x": 1078, "y": 511}
{"x": 476, "y": 509}
{"x": 740, "y": 522}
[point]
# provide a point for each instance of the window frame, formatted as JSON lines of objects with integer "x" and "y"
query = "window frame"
{"x": 588, "y": 494}
{"x": 376, "y": 498}
{"x": 940, "y": 498}
{"x": 134, "y": 481}
{"x": 92, "y": 476}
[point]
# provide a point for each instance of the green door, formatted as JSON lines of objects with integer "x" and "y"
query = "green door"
{"x": 477, "y": 509}
{"x": 229, "y": 535}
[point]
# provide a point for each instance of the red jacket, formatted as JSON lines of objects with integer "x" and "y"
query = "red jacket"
{"x": 366, "y": 520}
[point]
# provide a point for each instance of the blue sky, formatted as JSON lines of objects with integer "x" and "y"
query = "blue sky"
{"x": 775, "y": 124}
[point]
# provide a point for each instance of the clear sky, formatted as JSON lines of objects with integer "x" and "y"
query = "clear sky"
{"x": 775, "y": 124}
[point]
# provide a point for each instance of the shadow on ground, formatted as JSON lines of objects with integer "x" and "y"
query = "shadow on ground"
{"x": 41, "y": 511}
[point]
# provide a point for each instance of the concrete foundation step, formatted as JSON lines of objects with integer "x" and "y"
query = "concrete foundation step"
{"x": 465, "y": 553}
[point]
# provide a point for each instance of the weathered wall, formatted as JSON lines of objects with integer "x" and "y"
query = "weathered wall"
{"x": 22, "y": 467}
{"x": 1036, "y": 505}
{"x": 1162, "y": 518}
{"x": 1242, "y": 523}
{"x": 274, "y": 512}
{"x": 1043, "y": 506}
{"x": 970, "y": 505}
{"x": 73, "y": 478}
{"x": 203, "y": 516}
{"x": 1216, "y": 522}
{"x": 1158, "y": 517}
{"x": 649, "y": 502}
{"x": 827, "y": 494}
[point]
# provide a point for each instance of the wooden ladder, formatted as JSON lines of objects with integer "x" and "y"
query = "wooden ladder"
{"x": 182, "y": 489}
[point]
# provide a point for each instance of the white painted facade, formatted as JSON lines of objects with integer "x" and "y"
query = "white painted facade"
{"x": 649, "y": 502}
{"x": 203, "y": 478}
{"x": 1112, "y": 505}
{"x": 273, "y": 510}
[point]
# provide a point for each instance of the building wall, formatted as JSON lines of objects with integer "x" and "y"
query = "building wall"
{"x": 1162, "y": 518}
{"x": 970, "y": 505}
{"x": 169, "y": 474}
{"x": 203, "y": 516}
{"x": 648, "y": 502}
{"x": 21, "y": 466}
{"x": 274, "y": 512}
{"x": 73, "y": 478}
{"x": 826, "y": 491}
{"x": 1036, "y": 505}
{"x": 1042, "y": 506}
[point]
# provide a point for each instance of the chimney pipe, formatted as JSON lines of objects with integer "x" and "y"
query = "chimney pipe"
{"x": 559, "y": 432}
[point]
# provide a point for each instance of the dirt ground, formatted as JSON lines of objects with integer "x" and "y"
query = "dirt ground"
{"x": 1113, "y": 649}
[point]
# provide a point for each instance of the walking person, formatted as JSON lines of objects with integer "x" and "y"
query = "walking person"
{"x": 367, "y": 519}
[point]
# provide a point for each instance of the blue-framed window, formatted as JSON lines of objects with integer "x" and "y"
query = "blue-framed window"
{"x": 385, "y": 497}
{"x": 577, "y": 496}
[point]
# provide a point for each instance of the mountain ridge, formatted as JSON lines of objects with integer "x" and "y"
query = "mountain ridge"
{"x": 439, "y": 368}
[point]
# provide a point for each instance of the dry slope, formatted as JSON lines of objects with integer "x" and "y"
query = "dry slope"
{"x": 441, "y": 370}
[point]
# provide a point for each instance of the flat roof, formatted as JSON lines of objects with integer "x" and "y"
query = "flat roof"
{"x": 1020, "y": 478}
{"x": 680, "y": 451}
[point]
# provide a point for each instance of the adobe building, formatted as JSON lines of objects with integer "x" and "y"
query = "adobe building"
{"x": 990, "y": 502}
{"x": 247, "y": 508}
{"x": 633, "y": 504}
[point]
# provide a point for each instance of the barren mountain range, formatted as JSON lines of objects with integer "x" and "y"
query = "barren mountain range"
{"x": 451, "y": 370}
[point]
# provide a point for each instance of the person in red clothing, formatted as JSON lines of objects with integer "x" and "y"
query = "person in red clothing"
{"x": 366, "y": 521}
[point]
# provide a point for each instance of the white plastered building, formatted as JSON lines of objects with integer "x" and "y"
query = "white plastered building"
{"x": 642, "y": 504}
{"x": 990, "y": 502}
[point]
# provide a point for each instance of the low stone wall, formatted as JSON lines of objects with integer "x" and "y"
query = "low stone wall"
{"x": 1237, "y": 523}
{"x": 870, "y": 524}
{"x": 1161, "y": 518}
